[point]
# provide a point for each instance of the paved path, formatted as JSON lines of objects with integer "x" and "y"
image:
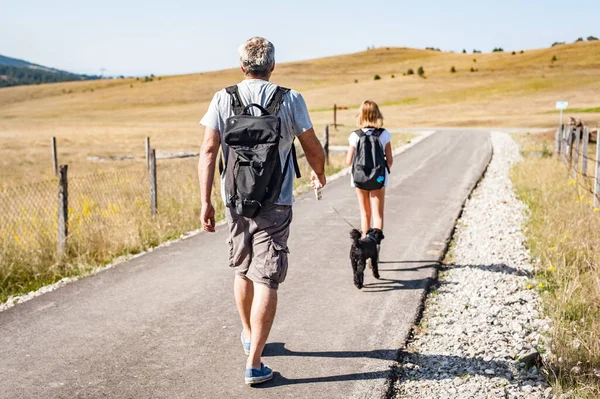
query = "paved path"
{"x": 164, "y": 325}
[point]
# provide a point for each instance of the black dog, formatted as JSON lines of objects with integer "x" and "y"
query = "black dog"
{"x": 363, "y": 249}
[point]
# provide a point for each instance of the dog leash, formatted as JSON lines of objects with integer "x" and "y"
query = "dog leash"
{"x": 340, "y": 215}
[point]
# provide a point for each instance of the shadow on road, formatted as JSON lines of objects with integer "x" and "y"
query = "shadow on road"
{"x": 278, "y": 349}
{"x": 409, "y": 366}
{"x": 388, "y": 284}
{"x": 499, "y": 268}
{"x": 279, "y": 380}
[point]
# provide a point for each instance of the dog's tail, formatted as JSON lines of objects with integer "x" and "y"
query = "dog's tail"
{"x": 355, "y": 234}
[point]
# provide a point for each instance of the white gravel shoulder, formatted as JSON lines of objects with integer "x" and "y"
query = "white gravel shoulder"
{"x": 482, "y": 332}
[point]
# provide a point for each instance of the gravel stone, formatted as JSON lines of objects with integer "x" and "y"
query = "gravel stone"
{"x": 482, "y": 331}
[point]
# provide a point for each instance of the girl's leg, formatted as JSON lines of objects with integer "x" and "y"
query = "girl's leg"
{"x": 378, "y": 198}
{"x": 365, "y": 209}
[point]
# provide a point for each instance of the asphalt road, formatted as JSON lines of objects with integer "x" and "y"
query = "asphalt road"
{"x": 164, "y": 325}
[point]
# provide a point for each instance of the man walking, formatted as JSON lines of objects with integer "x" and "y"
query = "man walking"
{"x": 256, "y": 185}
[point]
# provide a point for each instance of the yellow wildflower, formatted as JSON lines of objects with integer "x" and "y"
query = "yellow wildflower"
{"x": 596, "y": 209}
{"x": 571, "y": 182}
{"x": 540, "y": 285}
{"x": 551, "y": 268}
{"x": 528, "y": 286}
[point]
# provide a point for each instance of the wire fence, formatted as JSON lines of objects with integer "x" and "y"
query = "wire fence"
{"x": 106, "y": 214}
{"x": 574, "y": 146}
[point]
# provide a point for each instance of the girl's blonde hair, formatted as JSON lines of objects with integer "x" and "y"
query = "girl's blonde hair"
{"x": 369, "y": 115}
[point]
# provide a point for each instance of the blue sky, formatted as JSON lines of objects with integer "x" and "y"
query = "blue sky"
{"x": 133, "y": 37}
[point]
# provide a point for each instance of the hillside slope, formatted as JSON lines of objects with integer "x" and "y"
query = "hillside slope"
{"x": 112, "y": 116}
{"x": 15, "y": 72}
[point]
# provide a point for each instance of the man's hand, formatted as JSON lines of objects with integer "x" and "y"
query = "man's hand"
{"x": 317, "y": 179}
{"x": 207, "y": 216}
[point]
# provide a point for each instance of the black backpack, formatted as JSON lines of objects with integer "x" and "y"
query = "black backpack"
{"x": 253, "y": 175}
{"x": 369, "y": 165}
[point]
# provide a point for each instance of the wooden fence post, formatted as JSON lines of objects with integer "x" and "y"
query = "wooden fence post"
{"x": 597, "y": 175}
{"x": 570, "y": 144}
{"x": 148, "y": 153}
{"x": 558, "y": 140}
{"x": 54, "y": 156}
{"x": 584, "y": 151}
{"x": 326, "y": 143}
{"x": 63, "y": 209}
{"x": 577, "y": 149}
{"x": 564, "y": 144}
{"x": 335, "y": 116}
{"x": 152, "y": 174}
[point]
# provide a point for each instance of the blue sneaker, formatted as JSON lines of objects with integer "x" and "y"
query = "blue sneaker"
{"x": 256, "y": 376}
{"x": 245, "y": 344}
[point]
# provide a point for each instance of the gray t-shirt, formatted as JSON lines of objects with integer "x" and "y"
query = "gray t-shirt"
{"x": 294, "y": 122}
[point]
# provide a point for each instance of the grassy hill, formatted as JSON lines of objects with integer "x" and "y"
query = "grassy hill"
{"x": 111, "y": 117}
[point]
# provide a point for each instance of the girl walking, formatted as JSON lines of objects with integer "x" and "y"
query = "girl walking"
{"x": 370, "y": 155}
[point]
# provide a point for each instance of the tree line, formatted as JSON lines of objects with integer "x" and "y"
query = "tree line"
{"x": 16, "y": 76}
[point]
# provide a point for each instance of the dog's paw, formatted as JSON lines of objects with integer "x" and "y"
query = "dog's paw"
{"x": 376, "y": 275}
{"x": 359, "y": 286}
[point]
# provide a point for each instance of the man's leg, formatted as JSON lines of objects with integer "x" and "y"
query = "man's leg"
{"x": 261, "y": 320}
{"x": 243, "y": 289}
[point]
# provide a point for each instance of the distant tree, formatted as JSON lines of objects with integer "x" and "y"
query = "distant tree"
{"x": 453, "y": 70}
{"x": 513, "y": 53}
{"x": 476, "y": 51}
{"x": 464, "y": 51}
{"x": 521, "y": 52}
{"x": 393, "y": 76}
{"x": 579, "y": 40}
{"x": 472, "y": 69}
{"x": 474, "y": 59}
{"x": 377, "y": 77}
{"x": 557, "y": 44}
{"x": 592, "y": 38}
{"x": 421, "y": 71}
{"x": 554, "y": 59}
{"x": 497, "y": 50}
{"x": 355, "y": 80}
{"x": 410, "y": 71}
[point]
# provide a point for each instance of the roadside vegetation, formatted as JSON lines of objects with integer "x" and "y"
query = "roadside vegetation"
{"x": 564, "y": 234}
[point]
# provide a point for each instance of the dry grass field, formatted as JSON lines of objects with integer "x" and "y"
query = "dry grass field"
{"x": 564, "y": 233}
{"x": 112, "y": 117}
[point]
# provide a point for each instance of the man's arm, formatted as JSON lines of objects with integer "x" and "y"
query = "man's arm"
{"x": 206, "y": 175}
{"x": 314, "y": 155}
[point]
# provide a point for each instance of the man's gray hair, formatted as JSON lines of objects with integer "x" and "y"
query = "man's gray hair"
{"x": 257, "y": 57}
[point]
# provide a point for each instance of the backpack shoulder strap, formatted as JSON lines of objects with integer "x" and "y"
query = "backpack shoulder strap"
{"x": 377, "y": 132}
{"x": 236, "y": 102}
{"x": 275, "y": 103}
{"x": 359, "y": 133}
{"x": 291, "y": 154}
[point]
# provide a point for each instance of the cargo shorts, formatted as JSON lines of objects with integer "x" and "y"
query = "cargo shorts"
{"x": 258, "y": 246}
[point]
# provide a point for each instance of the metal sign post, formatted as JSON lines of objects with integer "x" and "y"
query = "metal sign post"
{"x": 561, "y": 105}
